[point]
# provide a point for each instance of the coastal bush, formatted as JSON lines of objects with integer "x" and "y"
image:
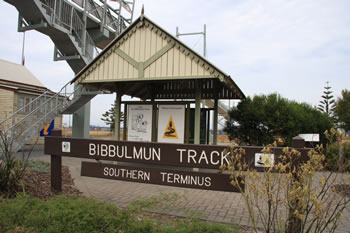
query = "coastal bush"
{"x": 293, "y": 195}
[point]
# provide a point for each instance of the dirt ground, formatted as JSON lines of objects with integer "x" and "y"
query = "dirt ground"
{"x": 38, "y": 184}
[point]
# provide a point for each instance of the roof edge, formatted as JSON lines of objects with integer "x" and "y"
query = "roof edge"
{"x": 142, "y": 18}
{"x": 26, "y": 84}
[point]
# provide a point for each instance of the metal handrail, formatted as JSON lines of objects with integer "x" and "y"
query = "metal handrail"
{"x": 64, "y": 14}
{"x": 63, "y": 95}
{"x": 22, "y": 127}
{"x": 223, "y": 106}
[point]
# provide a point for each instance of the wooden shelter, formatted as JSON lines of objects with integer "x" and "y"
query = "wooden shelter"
{"x": 147, "y": 62}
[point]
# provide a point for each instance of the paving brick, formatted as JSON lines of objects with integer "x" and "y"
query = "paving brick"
{"x": 219, "y": 219}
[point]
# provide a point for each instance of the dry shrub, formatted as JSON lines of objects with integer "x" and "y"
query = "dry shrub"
{"x": 294, "y": 195}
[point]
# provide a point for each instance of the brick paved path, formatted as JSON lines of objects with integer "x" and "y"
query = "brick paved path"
{"x": 209, "y": 205}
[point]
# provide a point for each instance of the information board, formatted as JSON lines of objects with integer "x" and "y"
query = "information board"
{"x": 171, "y": 123}
{"x": 140, "y": 123}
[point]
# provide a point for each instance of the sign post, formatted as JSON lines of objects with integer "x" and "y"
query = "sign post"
{"x": 56, "y": 166}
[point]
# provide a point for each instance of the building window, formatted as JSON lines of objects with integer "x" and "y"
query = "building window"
{"x": 27, "y": 106}
{"x": 21, "y": 104}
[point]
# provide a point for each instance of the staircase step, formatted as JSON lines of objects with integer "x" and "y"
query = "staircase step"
{"x": 77, "y": 103}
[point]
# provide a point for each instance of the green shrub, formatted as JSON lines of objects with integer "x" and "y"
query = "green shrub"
{"x": 11, "y": 172}
{"x": 38, "y": 166}
{"x": 80, "y": 214}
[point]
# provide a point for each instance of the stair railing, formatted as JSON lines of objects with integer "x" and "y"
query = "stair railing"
{"x": 21, "y": 127}
{"x": 64, "y": 14}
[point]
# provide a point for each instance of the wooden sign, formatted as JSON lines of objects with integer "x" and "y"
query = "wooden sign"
{"x": 169, "y": 154}
{"x": 179, "y": 156}
{"x": 187, "y": 179}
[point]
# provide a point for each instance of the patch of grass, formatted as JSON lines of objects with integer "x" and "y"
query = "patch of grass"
{"x": 80, "y": 214}
{"x": 38, "y": 166}
{"x": 163, "y": 200}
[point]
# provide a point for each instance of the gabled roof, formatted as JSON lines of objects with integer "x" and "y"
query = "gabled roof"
{"x": 147, "y": 62}
{"x": 18, "y": 74}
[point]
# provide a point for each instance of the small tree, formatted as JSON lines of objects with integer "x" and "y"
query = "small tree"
{"x": 327, "y": 104}
{"x": 109, "y": 116}
{"x": 342, "y": 110}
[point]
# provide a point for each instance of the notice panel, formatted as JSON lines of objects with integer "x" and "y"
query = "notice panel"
{"x": 140, "y": 123}
{"x": 186, "y": 179}
{"x": 171, "y": 123}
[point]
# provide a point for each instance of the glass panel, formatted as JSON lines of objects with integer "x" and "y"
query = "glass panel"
{"x": 21, "y": 103}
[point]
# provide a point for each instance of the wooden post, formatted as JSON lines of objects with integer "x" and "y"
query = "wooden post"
{"x": 298, "y": 142}
{"x": 187, "y": 123}
{"x": 215, "y": 126}
{"x": 117, "y": 116}
{"x": 56, "y": 166}
{"x": 154, "y": 122}
{"x": 294, "y": 223}
{"x": 125, "y": 122}
{"x": 197, "y": 116}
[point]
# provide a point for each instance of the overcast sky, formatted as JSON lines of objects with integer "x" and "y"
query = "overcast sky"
{"x": 292, "y": 47}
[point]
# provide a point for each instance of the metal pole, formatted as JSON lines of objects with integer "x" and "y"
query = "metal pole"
{"x": 204, "y": 33}
{"x": 24, "y": 37}
{"x": 119, "y": 25}
{"x": 205, "y": 41}
{"x": 132, "y": 11}
{"x": 103, "y": 21}
{"x": 85, "y": 31}
{"x": 54, "y": 12}
{"x": 56, "y": 104}
{"x": 60, "y": 11}
{"x": 45, "y": 107}
{"x": 71, "y": 21}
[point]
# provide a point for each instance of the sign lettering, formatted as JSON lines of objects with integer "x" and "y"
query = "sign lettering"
{"x": 188, "y": 179}
{"x": 160, "y": 155}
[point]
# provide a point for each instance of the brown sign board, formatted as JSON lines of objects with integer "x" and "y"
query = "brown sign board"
{"x": 168, "y": 154}
{"x": 156, "y": 156}
{"x": 160, "y": 176}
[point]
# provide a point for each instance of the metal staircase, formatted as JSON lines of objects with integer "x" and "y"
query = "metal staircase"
{"x": 20, "y": 128}
{"x": 222, "y": 108}
{"x": 77, "y": 28}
